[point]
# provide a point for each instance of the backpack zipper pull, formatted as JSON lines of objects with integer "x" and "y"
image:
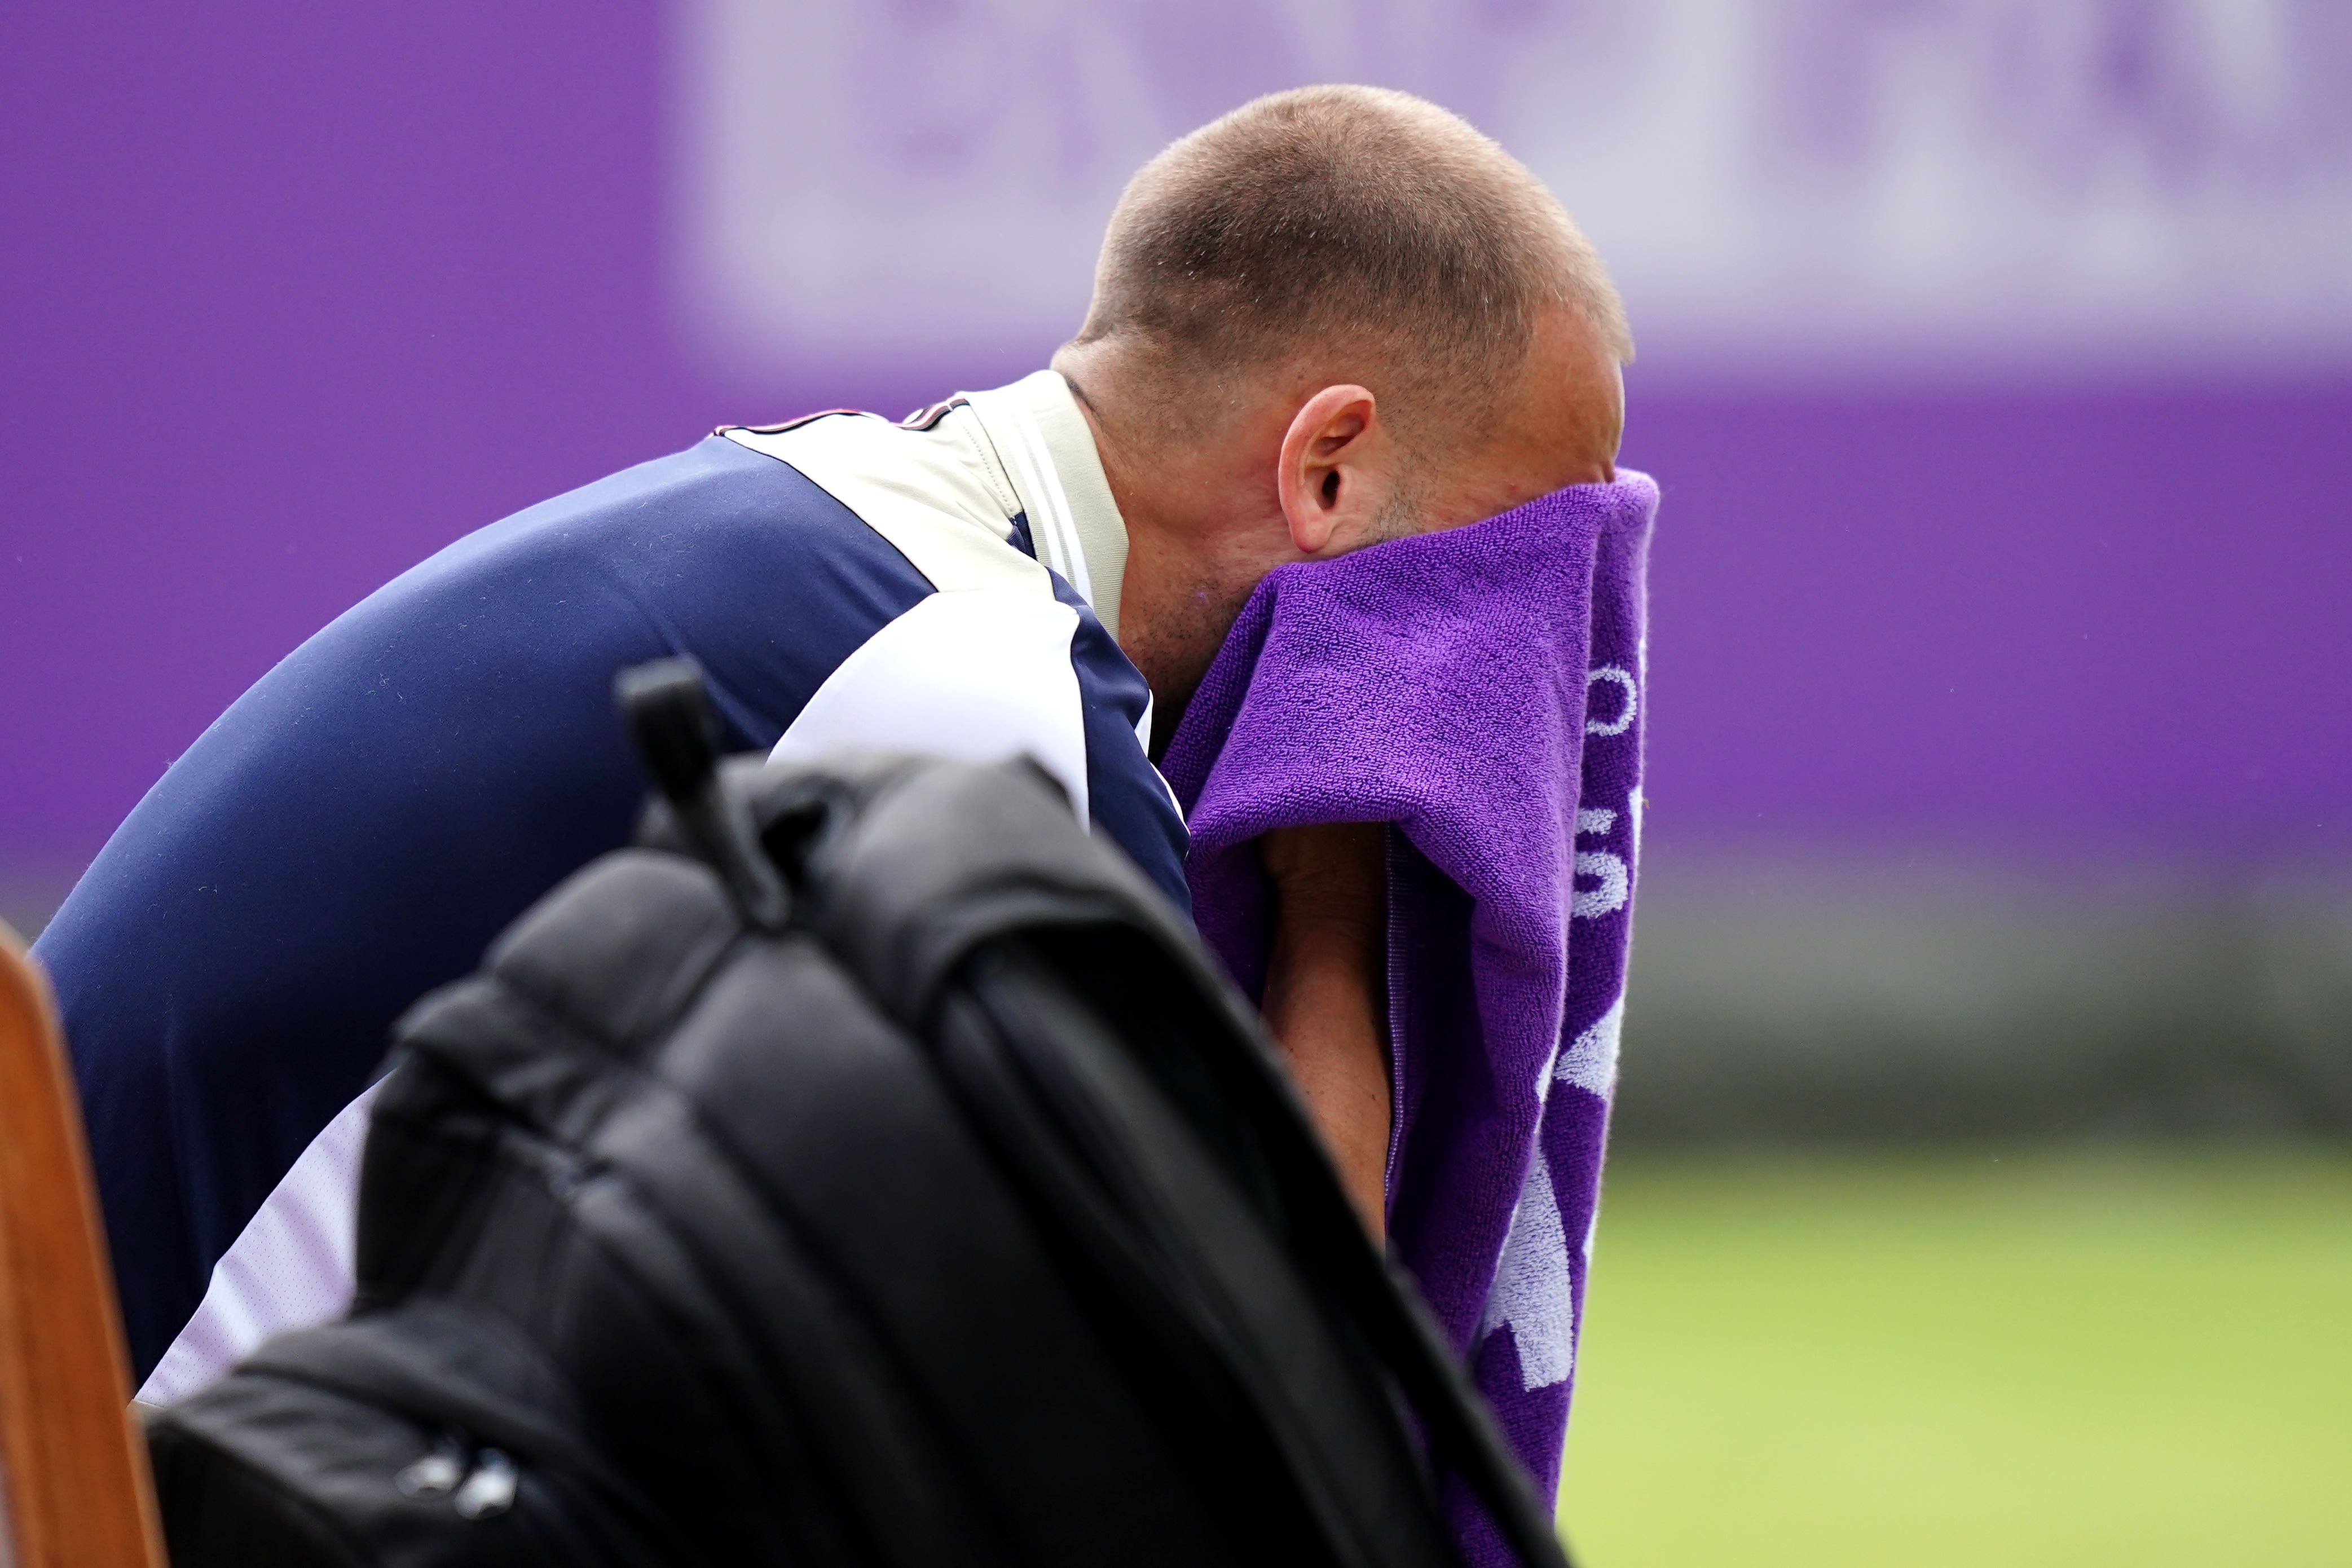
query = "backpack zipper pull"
{"x": 437, "y": 1473}
{"x": 489, "y": 1491}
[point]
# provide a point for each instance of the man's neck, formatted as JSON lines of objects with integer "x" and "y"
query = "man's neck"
{"x": 1134, "y": 500}
{"x": 1190, "y": 560}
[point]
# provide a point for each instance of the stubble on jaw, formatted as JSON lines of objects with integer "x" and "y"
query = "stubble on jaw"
{"x": 1404, "y": 514}
{"x": 1180, "y": 644}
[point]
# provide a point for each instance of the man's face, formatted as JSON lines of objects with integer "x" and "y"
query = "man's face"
{"x": 1559, "y": 426}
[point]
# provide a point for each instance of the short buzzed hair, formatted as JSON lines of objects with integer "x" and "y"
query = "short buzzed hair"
{"x": 1350, "y": 216}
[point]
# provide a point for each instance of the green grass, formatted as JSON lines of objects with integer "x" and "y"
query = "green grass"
{"x": 1957, "y": 1360}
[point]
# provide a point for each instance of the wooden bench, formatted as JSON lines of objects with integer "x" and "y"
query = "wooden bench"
{"x": 74, "y": 1489}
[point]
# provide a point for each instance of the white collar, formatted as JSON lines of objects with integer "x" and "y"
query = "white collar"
{"x": 1046, "y": 450}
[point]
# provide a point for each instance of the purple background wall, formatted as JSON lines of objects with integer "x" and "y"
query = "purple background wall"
{"x": 295, "y": 295}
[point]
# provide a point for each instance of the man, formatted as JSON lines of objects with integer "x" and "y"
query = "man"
{"x": 1335, "y": 316}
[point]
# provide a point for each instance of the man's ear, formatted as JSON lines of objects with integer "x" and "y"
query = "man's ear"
{"x": 1334, "y": 473}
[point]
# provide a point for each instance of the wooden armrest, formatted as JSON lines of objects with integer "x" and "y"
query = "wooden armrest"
{"x": 73, "y": 1467}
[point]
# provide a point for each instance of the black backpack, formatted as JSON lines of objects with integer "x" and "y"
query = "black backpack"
{"x": 865, "y": 1169}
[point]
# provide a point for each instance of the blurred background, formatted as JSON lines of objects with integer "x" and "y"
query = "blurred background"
{"x": 1981, "y": 1186}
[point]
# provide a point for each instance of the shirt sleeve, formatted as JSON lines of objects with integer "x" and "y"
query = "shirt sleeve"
{"x": 356, "y": 828}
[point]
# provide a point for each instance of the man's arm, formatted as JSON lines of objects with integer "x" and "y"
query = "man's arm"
{"x": 360, "y": 825}
{"x": 1325, "y": 993}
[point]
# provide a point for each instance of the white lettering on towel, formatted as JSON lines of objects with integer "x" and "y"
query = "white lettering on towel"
{"x": 1616, "y": 881}
{"x": 1531, "y": 1293}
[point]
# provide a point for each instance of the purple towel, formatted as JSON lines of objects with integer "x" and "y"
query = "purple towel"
{"x": 1480, "y": 690}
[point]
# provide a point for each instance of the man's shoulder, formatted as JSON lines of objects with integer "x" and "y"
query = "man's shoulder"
{"x": 718, "y": 516}
{"x": 925, "y": 484}
{"x": 712, "y": 487}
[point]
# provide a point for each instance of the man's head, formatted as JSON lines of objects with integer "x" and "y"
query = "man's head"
{"x": 1335, "y": 316}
